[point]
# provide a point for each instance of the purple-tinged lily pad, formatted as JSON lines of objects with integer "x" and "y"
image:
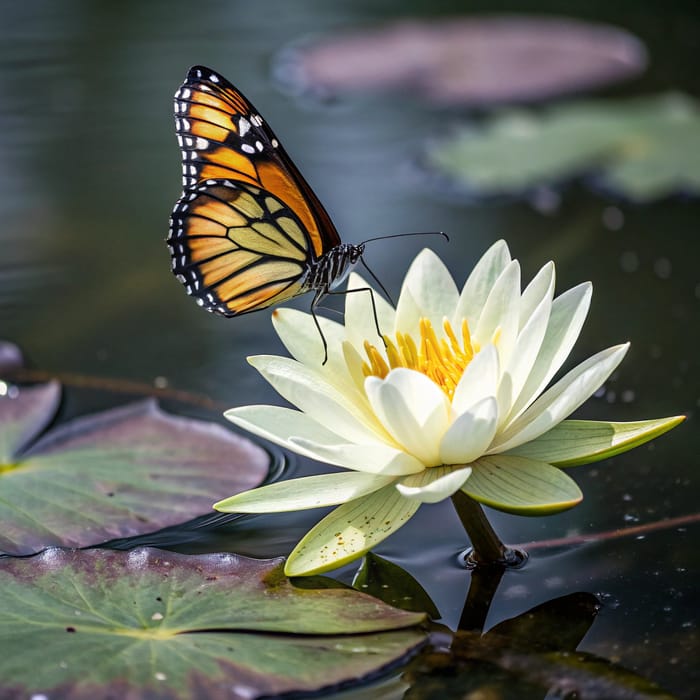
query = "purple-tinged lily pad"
{"x": 123, "y": 472}
{"x": 480, "y": 60}
{"x": 155, "y": 624}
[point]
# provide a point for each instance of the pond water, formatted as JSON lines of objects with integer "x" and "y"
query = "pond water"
{"x": 89, "y": 171}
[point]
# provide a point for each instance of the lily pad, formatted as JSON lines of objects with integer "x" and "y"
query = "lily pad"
{"x": 155, "y": 624}
{"x": 642, "y": 149}
{"x": 476, "y": 60}
{"x": 123, "y": 472}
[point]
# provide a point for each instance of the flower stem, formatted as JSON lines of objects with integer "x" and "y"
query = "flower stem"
{"x": 487, "y": 548}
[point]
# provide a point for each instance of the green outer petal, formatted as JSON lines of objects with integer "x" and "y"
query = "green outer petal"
{"x": 304, "y": 493}
{"x": 350, "y": 531}
{"x": 575, "y": 442}
{"x": 521, "y": 486}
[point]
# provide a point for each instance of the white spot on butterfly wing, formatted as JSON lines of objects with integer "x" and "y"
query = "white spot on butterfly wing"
{"x": 247, "y": 148}
{"x": 214, "y": 78}
{"x": 243, "y": 127}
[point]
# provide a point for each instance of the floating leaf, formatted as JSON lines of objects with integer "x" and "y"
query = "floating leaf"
{"x": 150, "y": 623}
{"x": 468, "y": 61}
{"x": 120, "y": 473}
{"x": 643, "y": 149}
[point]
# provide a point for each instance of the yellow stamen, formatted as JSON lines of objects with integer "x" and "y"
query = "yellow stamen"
{"x": 442, "y": 359}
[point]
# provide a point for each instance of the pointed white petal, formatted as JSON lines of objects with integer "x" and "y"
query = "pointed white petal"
{"x": 374, "y": 459}
{"x": 523, "y": 359}
{"x": 499, "y": 319}
{"x": 562, "y": 399}
{"x": 479, "y": 380}
{"x": 471, "y": 433}
{"x": 568, "y": 312}
{"x": 433, "y": 485}
{"x": 541, "y": 287}
{"x": 350, "y": 531}
{"x": 413, "y": 409}
{"x": 313, "y": 394}
{"x": 479, "y": 284}
{"x": 278, "y": 425}
{"x": 432, "y": 288}
{"x": 300, "y": 494}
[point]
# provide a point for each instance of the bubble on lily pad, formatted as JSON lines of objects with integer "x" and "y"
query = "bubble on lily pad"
{"x": 474, "y": 61}
{"x": 119, "y": 473}
{"x": 149, "y": 623}
{"x": 640, "y": 149}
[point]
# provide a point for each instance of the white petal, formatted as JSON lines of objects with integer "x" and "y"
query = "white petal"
{"x": 524, "y": 357}
{"x": 541, "y": 287}
{"x": 300, "y": 336}
{"x": 373, "y": 459}
{"x": 500, "y": 316}
{"x": 278, "y": 425}
{"x": 359, "y": 315}
{"x": 300, "y": 494}
{"x": 471, "y": 433}
{"x": 562, "y": 399}
{"x": 479, "y": 380}
{"x": 430, "y": 286}
{"x": 479, "y": 284}
{"x": 413, "y": 409}
{"x": 313, "y": 394}
{"x": 566, "y": 319}
{"x": 433, "y": 485}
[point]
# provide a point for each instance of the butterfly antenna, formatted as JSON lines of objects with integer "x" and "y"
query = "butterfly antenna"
{"x": 402, "y": 235}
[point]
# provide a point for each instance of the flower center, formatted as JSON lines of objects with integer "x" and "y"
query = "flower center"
{"x": 441, "y": 359}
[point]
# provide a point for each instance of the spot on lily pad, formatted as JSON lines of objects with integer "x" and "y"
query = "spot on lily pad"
{"x": 472, "y": 61}
{"x": 123, "y": 472}
{"x": 641, "y": 149}
{"x": 150, "y": 623}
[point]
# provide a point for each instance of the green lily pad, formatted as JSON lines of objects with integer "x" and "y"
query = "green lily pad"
{"x": 119, "y": 473}
{"x": 156, "y": 624}
{"x": 643, "y": 149}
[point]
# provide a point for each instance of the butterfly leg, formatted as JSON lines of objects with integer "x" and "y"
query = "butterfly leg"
{"x": 374, "y": 306}
{"x": 320, "y": 293}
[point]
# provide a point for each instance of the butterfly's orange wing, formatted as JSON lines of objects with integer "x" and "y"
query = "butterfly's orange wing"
{"x": 222, "y": 135}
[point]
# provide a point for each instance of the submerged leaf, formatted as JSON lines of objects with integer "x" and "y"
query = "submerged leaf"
{"x": 120, "y": 473}
{"x": 643, "y": 149}
{"x": 149, "y": 623}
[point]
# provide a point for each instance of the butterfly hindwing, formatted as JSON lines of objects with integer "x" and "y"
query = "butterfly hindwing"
{"x": 237, "y": 248}
{"x": 222, "y": 136}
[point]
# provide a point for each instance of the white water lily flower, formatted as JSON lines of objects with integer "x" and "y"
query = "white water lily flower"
{"x": 456, "y": 399}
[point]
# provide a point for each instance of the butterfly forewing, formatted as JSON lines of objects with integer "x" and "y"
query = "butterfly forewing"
{"x": 222, "y": 136}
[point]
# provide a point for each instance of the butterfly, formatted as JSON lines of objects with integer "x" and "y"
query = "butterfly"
{"x": 248, "y": 231}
